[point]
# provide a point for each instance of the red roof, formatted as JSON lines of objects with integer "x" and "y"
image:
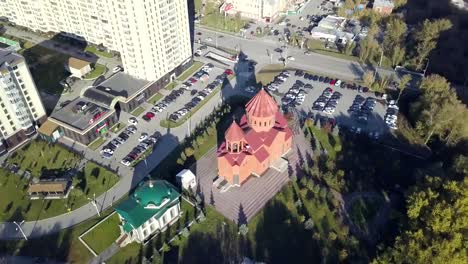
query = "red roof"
{"x": 234, "y": 133}
{"x": 261, "y": 154}
{"x": 261, "y": 105}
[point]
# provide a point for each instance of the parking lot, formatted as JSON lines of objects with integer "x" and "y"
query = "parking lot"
{"x": 143, "y": 131}
{"x": 374, "y": 122}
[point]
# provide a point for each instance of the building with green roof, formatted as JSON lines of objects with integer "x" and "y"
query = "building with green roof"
{"x": 152, "y": 207}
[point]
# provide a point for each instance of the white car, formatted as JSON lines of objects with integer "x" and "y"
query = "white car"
{"x": 392, "y": 126}
{"x": 209, "y": 39}
{"x": 125, "y": 162}
{"x": 133, "y": 121}
{"x": 338, "y": 83}
{"x": 291, "y": 58}
{"x": 117, "y": 69}
{"x": 143, "y": 137}
{"x": 394, "y": 106}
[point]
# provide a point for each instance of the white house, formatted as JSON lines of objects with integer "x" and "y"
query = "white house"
{"x": 186, "y": 179}
{"x": 77, "y": 67}
{"x": 153, "y": 206}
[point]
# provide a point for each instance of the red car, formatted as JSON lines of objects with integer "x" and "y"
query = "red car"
{"x": 193, "y": 80}
{"x": 332, "y": 81}
{"x": 148, "y": 116}
{"x": 229, "y": 72}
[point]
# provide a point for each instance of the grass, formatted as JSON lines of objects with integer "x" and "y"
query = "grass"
{"x": 170, "y": 86}
{"x": 155, "y": 98}
{"x": 96, "y": 143}
{"x": 98, "y": 52}
{"x": 191, "y": 70}
{"x": 324, "y": 139}
{"x": 63, "y": 246}
{"x": 268, "y": 73}
{"x": 103, "y": 235}
{"x": 214, "y": 19}
{"x": 40, "y": 155}
{"x": 98, "y": 70}
{"x": 318, "y": 46}
{"x": 15, "y": 203}
{"x": 364, "y": 210}
{"x": 128, "y": 255}
{"x": 117, "y": 127}
{"x": 47, "y": 68}
{"x": 138, "y": 111}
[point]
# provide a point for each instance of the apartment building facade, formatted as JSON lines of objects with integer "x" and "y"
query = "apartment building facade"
{"x": 21, "y": 109}
{"x": 152, "y": 36}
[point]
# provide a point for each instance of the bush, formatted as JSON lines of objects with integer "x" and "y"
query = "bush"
{"x": 189, "y": 152}
{"x": 185, "y": 232}
{"x": 243, "y": 229}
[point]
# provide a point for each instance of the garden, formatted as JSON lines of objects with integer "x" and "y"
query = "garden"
{"x": 49, "y": 160}
{"x": 211, "y": 17}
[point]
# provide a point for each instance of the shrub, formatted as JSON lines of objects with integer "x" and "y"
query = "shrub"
{"x": 185, "y": 232}
{"x": 243, "y": 229}
{"x": 189, "y": 151}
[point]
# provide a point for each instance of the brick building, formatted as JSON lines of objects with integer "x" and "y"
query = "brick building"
{"x": 257, "y": 143}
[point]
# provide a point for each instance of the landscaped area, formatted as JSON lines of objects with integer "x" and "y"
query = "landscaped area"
{"x": 98, "y": 70}
{"x": 41, "y": 158}
{"x": 155, "y": 98}
{"x": 96, "y": 143}
{"x": 191, "y": 70}
{"x": 47, "y": 68}
{"x": 363, "y": 210}
{"x": 138, "y": 111}
{"x": 320, "y": 47}
{"x": 214, "y": 19}
{"x": 103, "y": 235}
{"x": 117, "y": 127}
{"x": 99, "y": 53}
{"x": 329, "y": 143}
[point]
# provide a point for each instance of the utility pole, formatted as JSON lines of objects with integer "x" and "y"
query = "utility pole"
{"x": 93, "y": 202}
{"x": 381, "y": 57}
{"x": 20, "y": 229}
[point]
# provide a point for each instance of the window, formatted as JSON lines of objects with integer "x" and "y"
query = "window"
{"x": 164, "y": 219}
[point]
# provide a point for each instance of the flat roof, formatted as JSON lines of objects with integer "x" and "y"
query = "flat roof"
{"x": 331, "y": 22}
{"x": 383, "y": 3}
{"x": 121, "y": 84}
{"x": 48, "y": 128}
{"x": 9, "y": 57}
{"x": 79, "y": 116}
{"x": 48, "y": 186}
{"x": 76, "y": 63}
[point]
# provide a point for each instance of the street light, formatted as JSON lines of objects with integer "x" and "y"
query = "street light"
{"x": 20, "y": 229}
{"x": 93, "y": 202}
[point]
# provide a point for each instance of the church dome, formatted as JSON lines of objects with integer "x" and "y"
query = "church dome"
{"x": 261, "y": 105}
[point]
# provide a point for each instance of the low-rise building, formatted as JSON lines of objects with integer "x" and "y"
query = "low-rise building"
{"x": 77, "y": 67}
{"x": 329, "y": 28}
{"x": 266, "y": 10}
{"x": 49, "y": 189}
{"x": 152, "y": 207}
{"x": 187, "y": 179}
{"x": 383, "y": 6}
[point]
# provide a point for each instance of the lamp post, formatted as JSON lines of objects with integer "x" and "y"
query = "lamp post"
{"x": 93, "y": 202}
{"x": 20, "y": 229}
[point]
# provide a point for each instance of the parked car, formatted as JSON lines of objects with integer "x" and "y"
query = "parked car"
{"x": 133, "y": 121}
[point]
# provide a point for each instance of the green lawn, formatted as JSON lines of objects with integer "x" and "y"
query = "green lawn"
{"x": 363, "y": 210}
{"x": 63, "y": 246}
{"x": 170, "y": 86}
{"x": 39, "y": 155}
{"x": 138, "y": 111}
{"x": 15, "y": 204}
{"x": 155, "y": 98}
{"x": 191, "y": 70}
{"x": 324, "y": 139}
{"x": 99, "y": 53}
{"x": 117, "y": 127}
{"x": 214, "y": 19}
{"x": 319, "y": 47}
{"x": 267, "y": 74}
{"x": 103, "y": 235}
{"x": 47, "y": 68}
{"x": 99, "y": 70}
{"x": 96, "y": 143}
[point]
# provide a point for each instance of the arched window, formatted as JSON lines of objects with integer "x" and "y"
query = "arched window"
{"x": 234, "y": 147}
{"x": 264, "y": 123}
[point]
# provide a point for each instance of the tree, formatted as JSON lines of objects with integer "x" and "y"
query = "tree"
{"x": 426, "y": 39}
{"x": 402, "y": 84}
{"x": 368, "y": 78}
{"x": 399, "y": 3}
{"x": 243, "y": 229}
{"x": 349, "y": 47}
{"x": 397, "y": 55}
{"x": 395, "y": 31}
{"x": 368, "y": 48}
{"x": 438, "y": 219}
{"x": 439, "y": 112}
{"x": 460, "y": 164}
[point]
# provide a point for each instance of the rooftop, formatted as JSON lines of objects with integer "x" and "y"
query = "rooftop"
{"x": 81, "y": 113}
{"x": 77, "y": 63}
{"x": 383, "y": 3}
{"x": 8, "y": 57}
{"x": 48, "y": 128}
{"x": 332, "y": 22}
{"x": 121, "y": 84}
{"x": 48, "y": 186}
{"x": 150, "y": 199}
{"x": 261, "y": 105}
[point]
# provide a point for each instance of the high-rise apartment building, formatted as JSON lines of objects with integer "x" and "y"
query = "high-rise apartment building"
{"x": 21, "y": 108}
{"x": 151, "y": 35}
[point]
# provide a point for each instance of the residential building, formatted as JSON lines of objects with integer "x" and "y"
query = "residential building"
{"x": 258, "y": 142}
{"x": 78, "y": 68}
{"x": 21, "y": 109}
{"x": 152, "y": 207}
{"x": 152, "y": 37}
{"x": 383, "y": 6}
{"x": 265, "y": 10}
